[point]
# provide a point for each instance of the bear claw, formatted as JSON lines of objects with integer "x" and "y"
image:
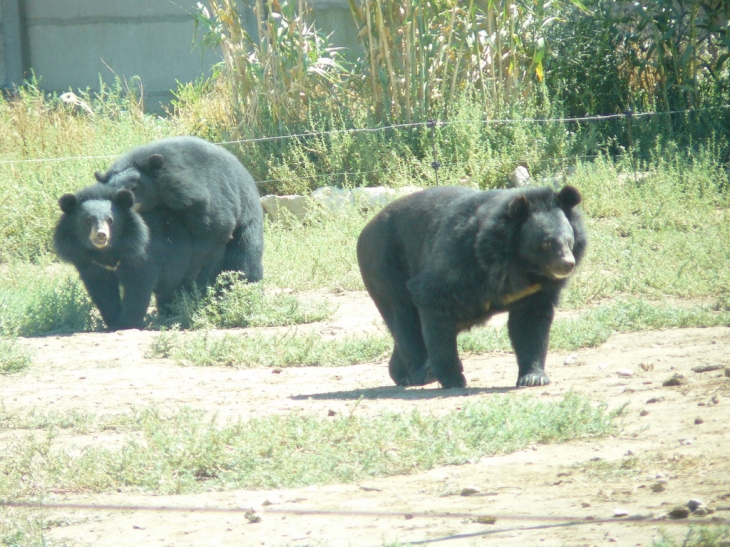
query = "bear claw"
{"x": 533, "y": 379}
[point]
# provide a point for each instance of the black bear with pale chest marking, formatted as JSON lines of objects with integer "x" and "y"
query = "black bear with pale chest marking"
{"x": 209, "y": 190}
{"x": 112, "y": 246}
{"x": 445, "y": 259}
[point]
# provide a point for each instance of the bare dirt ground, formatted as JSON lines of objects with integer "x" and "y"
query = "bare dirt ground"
{"x": 686, "y": 426}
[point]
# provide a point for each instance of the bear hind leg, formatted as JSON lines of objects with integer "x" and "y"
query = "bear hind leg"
{"x": 244, "y": 253}
{"x": 408, "y": 362}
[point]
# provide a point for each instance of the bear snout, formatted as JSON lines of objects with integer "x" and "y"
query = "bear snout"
{"x": 564, "y": 267}
{"x": 100, "y": 236}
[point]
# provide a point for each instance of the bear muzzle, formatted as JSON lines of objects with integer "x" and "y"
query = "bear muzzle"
{"x": 100, "y": 236}
{"x": 564, "y": 267}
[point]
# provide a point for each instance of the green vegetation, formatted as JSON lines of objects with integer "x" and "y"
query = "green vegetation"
{"x": 290, "y": 349}
{"x": 13, "y": 358}
{"x": 646, "y": 466}
{"x": 592, "y": 328}
{"x": 697, "y": 536}
{"x": 188, "y": 452}
{"x": 232, "y": 302}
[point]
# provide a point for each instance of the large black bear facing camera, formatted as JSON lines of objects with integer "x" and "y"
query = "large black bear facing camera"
{"x": 114, "y": 247}
{"x": 445, "y": 259}
{"x": 212, "y": 194}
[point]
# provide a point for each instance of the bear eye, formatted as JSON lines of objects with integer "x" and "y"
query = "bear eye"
{"x": 546, "y": 245}
{"x": 88, "y": 221}
{"x": 110, "y": 221}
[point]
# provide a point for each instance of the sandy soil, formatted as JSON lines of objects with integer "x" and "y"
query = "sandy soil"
{"x": 531, "y": 492}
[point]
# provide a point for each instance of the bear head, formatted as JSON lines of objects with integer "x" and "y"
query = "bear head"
{"x": 137, "y": 176}
{"x": 546, "y": 231}
{"x": 98, "y": 216}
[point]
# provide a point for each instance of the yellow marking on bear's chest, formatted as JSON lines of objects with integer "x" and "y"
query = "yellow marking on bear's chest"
{"x": 108, "y": 266}
{"x": 515, "y": 296}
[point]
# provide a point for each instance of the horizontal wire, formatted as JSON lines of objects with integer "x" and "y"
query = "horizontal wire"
{"x": 486, "y": 518}
{"x": 399, "y": 126}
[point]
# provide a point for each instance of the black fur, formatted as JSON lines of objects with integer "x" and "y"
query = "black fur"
{"x": 145, "y": 254}
{"x": 209, "y": 189}
{"x": 445, "y": 259}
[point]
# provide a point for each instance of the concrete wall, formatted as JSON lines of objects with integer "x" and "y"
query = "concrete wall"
{"x": 70, "y": 44}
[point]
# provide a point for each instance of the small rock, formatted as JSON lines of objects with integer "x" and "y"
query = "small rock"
{"x": 276, "y": 371}
{"x": 469, "y": 491}
{"x": 629, "y": 453}
{"x": 706, "y": 368}
{"x": 676, "y": 380}
{"x": 727, "y": 372}
{"x": 571, "y": 359}
{"x": 520, "y": 177}
{"x": 694, "y": 504}
{"x": 585, "y": 504}
{"x": 624, "y": 372}
{"x": 654, "y": 400}
{"x": 409, "y": 516}
{"x": 646, "y": 366}
{"x": 135, "y": 527}
{"x": 658, "y": 487}
{"x": 679, "y": 512}
{"x": 486, "y": 520}
{"x": 266, "y": 503}
{"x": 701, "y": 512}
{"x": 602, "y": 365}
{"x": 644, "y": 412}
{"x": 252, "y": 517}
{"x": 331, "y": 413}
{"x": 701, "y": 404}
{"x": 715, "y": 400}
{"x": 620, "y": 512}
{"x": 699, "y": 420}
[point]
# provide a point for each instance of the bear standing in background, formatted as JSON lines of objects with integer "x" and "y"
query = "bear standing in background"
{"x": 112, "y": 245}
{"x": 445, "y": 259}
{"x": 209, "y": 190}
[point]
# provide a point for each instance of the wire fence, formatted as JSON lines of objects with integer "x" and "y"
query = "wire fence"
{"x": 427, "y": 124}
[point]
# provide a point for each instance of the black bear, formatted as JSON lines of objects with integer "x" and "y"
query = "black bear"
{"x": 112, "y": 245}
{"x": 445, "y": 259}
{"x": 213, "y": 194}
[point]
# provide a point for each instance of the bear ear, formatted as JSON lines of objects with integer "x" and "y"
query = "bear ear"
{"x": 154, "y": 162}
{"x": 68, "y": 203}
{"x": 569, "y": 197}
{"x": 518, "y": 208}
{"x": 124, "y": 199}
{"x": 99, "y": 176}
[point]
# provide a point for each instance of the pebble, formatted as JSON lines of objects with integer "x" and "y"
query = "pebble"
{"x": 727, "y": 372}
{"x": 706, "y": 368}
{"x": 602, "y": 365}
{"x": 469, "y": 491}
{"x": 658, "y": 487}
{"x": 644, "y": 412}
{"x": 676, "y": 380}
{"x": 646, "y": 366}
{"x": 694, "y": 504}
{"x": 679, "y": 512}
{"x": 252, "y": 517}
{"x": 699, "y": 420}
{"x": 624, "y": 372}
{"x": 715, "y": 400}
{"x": 571, "y": 359}
{"x": 620, "y": 512}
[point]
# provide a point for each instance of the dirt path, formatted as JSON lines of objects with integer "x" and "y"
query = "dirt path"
{"x": 107, "y": 373}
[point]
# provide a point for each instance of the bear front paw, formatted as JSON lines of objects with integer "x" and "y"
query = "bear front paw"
{"x": 533, "y": 379}
{"x": 457, "y": 381}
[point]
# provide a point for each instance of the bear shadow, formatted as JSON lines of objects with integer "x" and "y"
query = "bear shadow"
{"x": 399, "y": 392}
